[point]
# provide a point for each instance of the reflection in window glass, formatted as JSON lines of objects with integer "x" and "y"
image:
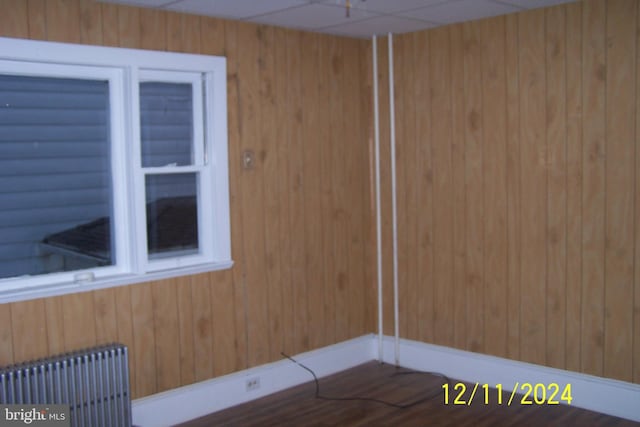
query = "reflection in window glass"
{"x": 55, "y": 169}
{"x": 172, "y": 214}
{"x": 166, "y": 124}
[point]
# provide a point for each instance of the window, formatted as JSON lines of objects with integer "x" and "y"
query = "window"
{"x": 113, "y": 167}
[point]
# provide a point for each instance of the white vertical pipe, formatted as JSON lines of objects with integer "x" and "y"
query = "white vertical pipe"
{"x": 392, "y": 142}
{"x": 376, "y": 127}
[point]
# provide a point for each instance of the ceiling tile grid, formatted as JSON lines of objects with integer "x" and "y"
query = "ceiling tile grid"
{"x": 362, "y": 19}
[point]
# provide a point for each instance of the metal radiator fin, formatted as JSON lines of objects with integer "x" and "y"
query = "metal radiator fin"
{"x": 93, "y": 382}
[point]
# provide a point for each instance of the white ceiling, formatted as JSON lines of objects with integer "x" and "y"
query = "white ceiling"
{"x": 366, "y": 17}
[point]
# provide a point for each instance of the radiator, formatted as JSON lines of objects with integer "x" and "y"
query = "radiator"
{"x": 93, "y": 382}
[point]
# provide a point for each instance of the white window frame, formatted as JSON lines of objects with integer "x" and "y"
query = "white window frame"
{"x": 125, "y": 69}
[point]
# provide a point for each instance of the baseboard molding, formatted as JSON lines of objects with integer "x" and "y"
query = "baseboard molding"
{"x": 186, "y": 403}
{"x": 604, "y": 395}
{"x": 176, "y": 406}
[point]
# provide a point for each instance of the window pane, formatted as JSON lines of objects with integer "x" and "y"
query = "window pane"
{"x": 166, "y": 124}
{"x": 55, "y": 175}
{"x": 172, "y": 215}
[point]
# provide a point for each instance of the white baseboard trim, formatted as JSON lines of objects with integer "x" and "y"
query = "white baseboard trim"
{"x": 617, "y": 398}
{"x": 604, "y": 395}
{"x": 186, "y": 403}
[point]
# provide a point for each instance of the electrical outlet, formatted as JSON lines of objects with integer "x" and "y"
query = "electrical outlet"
{"x": 252, "y": 384}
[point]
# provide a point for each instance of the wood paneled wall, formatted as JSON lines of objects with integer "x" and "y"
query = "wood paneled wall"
{"x": 518, "y": 186}
{"x": 300, "y": 220}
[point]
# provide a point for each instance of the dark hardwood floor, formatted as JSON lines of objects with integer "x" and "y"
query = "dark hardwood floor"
{"x": 298, "y": 406}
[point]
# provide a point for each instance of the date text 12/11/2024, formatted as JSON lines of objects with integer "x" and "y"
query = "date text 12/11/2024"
{"x": 531, "y": 394}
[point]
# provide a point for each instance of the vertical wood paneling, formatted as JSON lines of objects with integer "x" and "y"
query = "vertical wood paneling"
{"x": 296, "y": 190}
{"x": 124, "y": 321}
{"x": 636, "y": 292}
{"x": 513, "y": 187}
{"x": 105, "y": 312}
{"x": 14, "y": 19}
{"x": 425, "y": 252}
{"x": 556, "y": 186}
{"x": 337, "y": 219}
{"x": 6, "y": 335}
{"x": 593, "y": 186}
{"x": 284, "y": 238}
{"x": 236, "y": 315}
{"x": 494, "y": 157}
{"x": 533, "y": 158}
{"x": 110, "y": 36}
{"x": 194, "y": 326}
{"x": 574, "y": 185}
{"x": 90, "y": 22}
{"x": 37, "y": 19}
{"x": 272, "y": 226}
{"x": 249, "y": 56}
{"x": 29, "y": 330}
{"x": 545, "y": 107}
{"x": 474, "y": 205}
{"x": 129, "y": 33}
{"x": 458, "y": 108}
{"x": 620, "y": 166}
{"x": 166, "y": 333}
{"x": 312, "y": 187}
{"x": 55, "y": 324}
{"x": 153, "y": 29}
{"x": 440, "y": 70}
{"x": 63, "y": 20}
{"x": 412, "y": 180}
{"x": 142, "y": 315}
{"x": 356, "y": 214}
{"x": 79, "y": 320}
{"x": 331, "y": 105}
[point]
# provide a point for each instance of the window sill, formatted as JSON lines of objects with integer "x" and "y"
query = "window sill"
{"x": 110, "y": 282}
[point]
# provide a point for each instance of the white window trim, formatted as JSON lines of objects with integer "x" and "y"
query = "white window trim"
{"x": 122, "y": 67}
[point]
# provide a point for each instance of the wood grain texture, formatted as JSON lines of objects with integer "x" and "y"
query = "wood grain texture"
{"x": 620, "y": 188}
{"x": 458, "y": 111}
{"x": 636, "y": 292}
{"x": 574, "y": 185}
{"x": 440, "y": 90}
{"x": 37, "y": 19}
{"x": 544, "y": 107}
{"x": 63, "y": 20}
{"x": 494, "y": 100}
{"x": 514, "y": 258}
{"x": 555, "y": 51}
{"x": 331, "y": 106}
{"x": 14, "y": 19}
{"x": 593, "y": 186}
{"x": 299, "y": 406}
{"x": 474, "y": 201}
{"x": 488, "y": 173}
{"x": 533, "y": 164}
{"x": 6, "y": 335}
{"x": 55, "y": 324}
{"x": 29, "y": 330}
{"x": 193, "y": 312}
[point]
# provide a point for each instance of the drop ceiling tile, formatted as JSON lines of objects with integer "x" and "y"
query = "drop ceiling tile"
{"x": 461, "y": 10}
{"x": 235, "y": 9}
{"x": 386, "y": 6}
{"x": 534, "y": 4}
{"x": 313, "y": 16}
{"x": 379, "y": 26}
